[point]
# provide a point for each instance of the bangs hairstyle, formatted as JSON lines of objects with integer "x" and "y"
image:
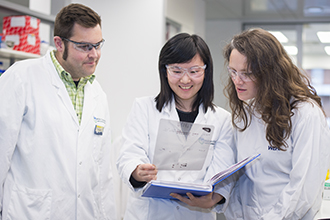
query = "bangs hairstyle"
{"x": 181, "y": 49}
{"x": 71, "y": 14}
{"x": 280, "y": 83}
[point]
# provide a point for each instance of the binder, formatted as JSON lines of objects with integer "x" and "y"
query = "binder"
{"x": 162, "y": 188}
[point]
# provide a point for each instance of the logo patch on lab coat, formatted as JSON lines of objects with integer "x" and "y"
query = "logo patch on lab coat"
{"x": 99, "y": 126}
{"x": 272, "y": 148}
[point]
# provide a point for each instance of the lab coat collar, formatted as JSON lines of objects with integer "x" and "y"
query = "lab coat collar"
{"x": 60, "y": 87}
{"x": 90, "y": 96}
{"x": 90, "y": 103}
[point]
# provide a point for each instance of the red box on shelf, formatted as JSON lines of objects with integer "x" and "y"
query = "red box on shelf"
{"x": 20, "y": 24}
{"x": 29, "y": 43}
{"x": 24, "y": 31}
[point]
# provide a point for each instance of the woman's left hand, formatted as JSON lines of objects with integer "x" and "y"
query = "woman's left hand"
{"x": 206, "y": 202}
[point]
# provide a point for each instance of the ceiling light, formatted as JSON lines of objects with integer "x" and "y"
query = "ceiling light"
{"x": 314, "y": 9}
{"x": 280, "y": 36}
{"x": 324, "y": 36}
{"x": 327, "y": 50}
{"x": 291, "y": 50}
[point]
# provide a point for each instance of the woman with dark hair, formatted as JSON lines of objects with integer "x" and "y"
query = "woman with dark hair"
{"x": 276, "y": 112}
{"x": 186, "y": 76}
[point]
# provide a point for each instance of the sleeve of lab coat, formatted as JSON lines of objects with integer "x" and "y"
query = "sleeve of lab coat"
{"x": 223, "y": 157}
{"x": 310, "y": 160}
{"x": 11, "y": 114}
{"x": 135, "y": 145}
{"x": 233, "y": 211}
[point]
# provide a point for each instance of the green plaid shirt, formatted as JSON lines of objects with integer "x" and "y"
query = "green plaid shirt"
{"x": 76, "y": 93}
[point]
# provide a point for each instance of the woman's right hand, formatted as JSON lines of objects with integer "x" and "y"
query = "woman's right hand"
{"x": 145, "y": 172}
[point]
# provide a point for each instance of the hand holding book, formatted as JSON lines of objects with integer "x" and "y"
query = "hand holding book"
{"x": 163, "y": 189}
{"x": 205, "y": 202}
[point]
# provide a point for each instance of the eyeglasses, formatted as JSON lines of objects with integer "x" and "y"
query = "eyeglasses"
{"x": 85, "y": 47}
{"x": 244, "y": 76}
{"x": 193, "y": 72}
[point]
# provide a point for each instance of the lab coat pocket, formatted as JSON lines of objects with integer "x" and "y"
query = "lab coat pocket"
{"x": 29, "y": 204}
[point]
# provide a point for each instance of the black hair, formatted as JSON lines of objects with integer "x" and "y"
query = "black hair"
{"x": 181, "y": 49}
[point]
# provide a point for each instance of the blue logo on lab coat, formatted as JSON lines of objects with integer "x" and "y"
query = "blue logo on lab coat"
{"x": 272, "y": 148}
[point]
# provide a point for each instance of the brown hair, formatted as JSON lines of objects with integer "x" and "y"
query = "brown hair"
{"x": 282, "y": 84}
{"x": 70, "y": 15}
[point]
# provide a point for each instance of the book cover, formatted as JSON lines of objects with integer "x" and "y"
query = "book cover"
{"x": 162, "y": 189}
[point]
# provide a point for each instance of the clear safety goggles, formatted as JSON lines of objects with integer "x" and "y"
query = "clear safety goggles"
{"x": 85, "y": 47}
{"x": 193, "y": 72}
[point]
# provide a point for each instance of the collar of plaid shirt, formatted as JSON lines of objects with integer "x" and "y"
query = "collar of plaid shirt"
{"x": 76, "y": 93}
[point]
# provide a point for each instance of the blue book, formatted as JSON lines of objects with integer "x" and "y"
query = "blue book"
{"x": 162, "y": 189}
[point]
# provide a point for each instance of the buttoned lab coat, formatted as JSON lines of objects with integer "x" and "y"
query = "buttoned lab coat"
{"x": 140, "y": 134}
{"x": 287, "y": 184}
{"x": 50, "y": 166}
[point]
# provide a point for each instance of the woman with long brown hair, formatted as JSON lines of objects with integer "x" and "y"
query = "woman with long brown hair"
{"x": 277, "y": 113}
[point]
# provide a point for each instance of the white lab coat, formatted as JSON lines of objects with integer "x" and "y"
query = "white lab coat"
{"x": 283, "y": 184}
{"x": 50, "y": 166}
{"x": 140, "y": 134}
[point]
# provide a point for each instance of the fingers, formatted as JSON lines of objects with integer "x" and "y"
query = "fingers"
{"x": 207, "y": 201}
{"x": 145, "y": 172}
{"x": 191, "y": 196}
{"x": 189, "y": 200}
{"x": 181, "y": 198}
{"x": 147, "y": 167}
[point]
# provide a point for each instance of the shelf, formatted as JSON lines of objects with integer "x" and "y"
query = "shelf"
{"x": 14, "y": 54}
{"x": 13, "y": 7}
